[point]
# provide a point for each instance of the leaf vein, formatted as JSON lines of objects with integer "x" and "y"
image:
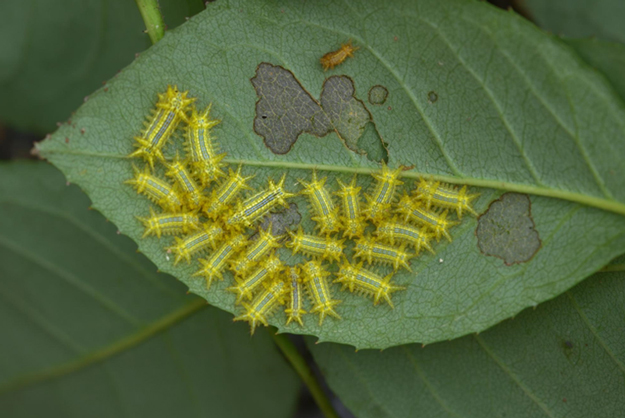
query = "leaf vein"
{"x": 594, "y": 332}
{"x": 97, "y": 356}
{"x": 435, "y": 134}
{"x": 513, "y": 135}
{"x": 427, "y": 383}
{"x": 99, "y": 238}
{"x": 70, "y": 279}
{"x": 504, "y": 367}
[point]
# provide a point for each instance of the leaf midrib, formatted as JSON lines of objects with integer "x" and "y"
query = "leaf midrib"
{"x": 593, "y": 201}
{"x": 605, "y": 203}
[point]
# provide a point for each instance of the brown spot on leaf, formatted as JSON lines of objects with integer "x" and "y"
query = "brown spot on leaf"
{"x": 378, "y": 95}
{"x": 285, "y": 110}
{"x": 283, "y": 220}
{"x": 348, "y": 114}
{"x": 506, "y": 230}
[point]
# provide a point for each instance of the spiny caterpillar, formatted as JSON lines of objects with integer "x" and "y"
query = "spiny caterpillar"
{"x": 394, "y": 231}
{"x": 257, "y": 206}
{"x": 352, "y": 219}
{"x": 325, "y": 247}
{"x": 171, "y": 109}
{"x": 191, "y": 191}
{"x": 267, "y": 271}
{"x": 334, "y": 58}
{"x": 379, "y": 202}
{"x": 255, "y": 252}
{"x": 316, "y": 281}
{"x": 326, "y": 214}
{"x": 435, "y": 221}
{"x": 295, "y": 301}
{"x": 156, "y": 189}
{"x": 263, "y": 305}
{"x": 225, "y": 193}
{"x": 437, "y": 194}
{"x": 211, "y": 219}
{"x": 213, "y": 266}
{"x": 356, "y": 278}
{"x": 169, "y": 223}
{"x": 196, "y": 243}
{"x": 202, "y": 150}
{"x": 376, "y": 252}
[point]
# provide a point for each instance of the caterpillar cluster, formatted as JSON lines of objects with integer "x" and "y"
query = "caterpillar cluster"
{"x": 203, "y": 206}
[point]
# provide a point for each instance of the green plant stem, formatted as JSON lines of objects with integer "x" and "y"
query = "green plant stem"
{"x": 153, "y": 19}
{"x": 301, "y": 368}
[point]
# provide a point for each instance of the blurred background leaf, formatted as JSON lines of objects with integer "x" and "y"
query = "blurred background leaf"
{"x": 55, "y": 53}
{"x": 606, "y": 57}
{"x": 579, "y": 18}
{"x": 89, "y": 329}
{"x": 594, "y": 28}
{"x": 566, "y": 358}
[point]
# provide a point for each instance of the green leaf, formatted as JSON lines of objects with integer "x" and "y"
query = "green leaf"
{"x": 563, "y": 359}
{"x": 607, "y": 57}
{"x": 90, "y": 329}
{"x": 580, "y": 18}
{"x": 476, "y": 96}
{"x": 54, "y": 53}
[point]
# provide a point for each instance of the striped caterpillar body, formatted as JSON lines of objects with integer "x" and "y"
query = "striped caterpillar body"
{"x": 324, "y": 247}
{"x": 170, "y": 110}
{"x": 263, "y": 305}
{"x": 316, "y": 281}
{"x": 393, "y": 231}
{"x": 352, "y": 219}
{"x": 196, "y": 243}
{"x": 267, "y": 270}
{"x": 376, "y": 252}
{"x": 295, "y": 300}
{"x": 255, "y": 207}
{"x": 192, "y": 193}
{"x": 156, "y": 189}
{"x": 225, "y": 193}
{"x": 202, "y": 150}
{"x": 434, "y": 193}
{"x": 213, "y": 266}
{"x": 326, "y": 214}
{"x": 379, "y": 201}
{"x": 255, "y": 252}
{"x": 418, "y": 213}
{"x": 358, "y": 279}
{"x": 169, "y": 223}
{"x": 204, "y": 209}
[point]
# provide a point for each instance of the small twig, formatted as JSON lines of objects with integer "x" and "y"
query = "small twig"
{"x": 153, "y": 19}
{"x": 305, "y": 373}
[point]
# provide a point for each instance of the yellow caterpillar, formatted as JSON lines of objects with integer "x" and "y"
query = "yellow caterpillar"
{"x": 205, "y": 205}
{"x": 171, "y": 109}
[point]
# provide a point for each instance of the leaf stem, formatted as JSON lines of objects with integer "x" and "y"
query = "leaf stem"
{"x": 305, "y": 373}
{"x": 153, "y": 19}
